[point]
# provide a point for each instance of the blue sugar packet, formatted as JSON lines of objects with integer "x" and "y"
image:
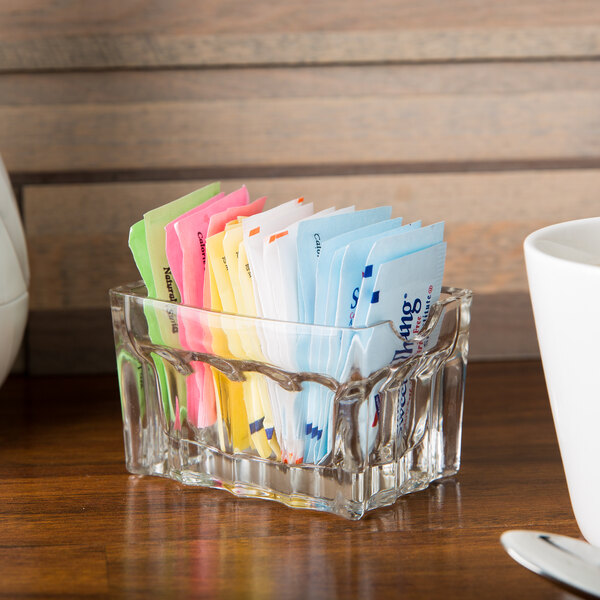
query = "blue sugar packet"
{"x": 312, "y": 234}
{"x": 343, "y": 257}
{"x": 352, "y": 270}
{"x": 353, "y": 245}
{"x": 407, "y": 303}
{"x": 298, "y": 285}
{"x": 346, "y": 272}
{"x": 326, "y": 288}
{"x": 404, "y": 291}
{"x": 349, "y": 272}
{"x": 328, "y": 266}
{"x": 416, "y": 270}
{"x": 385, "y": 250}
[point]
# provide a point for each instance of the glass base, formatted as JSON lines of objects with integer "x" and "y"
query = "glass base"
{"x": 324, "y": 488}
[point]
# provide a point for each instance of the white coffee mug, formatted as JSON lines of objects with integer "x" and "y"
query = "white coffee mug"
{"x": 563, "y": 268}
{"x": 14, "y": 276}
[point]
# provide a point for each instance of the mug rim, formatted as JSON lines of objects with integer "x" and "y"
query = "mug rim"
{"x": 531, "y": 245}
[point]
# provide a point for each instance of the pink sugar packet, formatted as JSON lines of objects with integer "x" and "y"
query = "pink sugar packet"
{"x": 173, "y": 247}
{"x": 187, "y": 256}
{"x": 217, "y": 225}
{"x": 218, "y": 221}
{"x": 186, "y": 248}
{"x": 192, "y": 231}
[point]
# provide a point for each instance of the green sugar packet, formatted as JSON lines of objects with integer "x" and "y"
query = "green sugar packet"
{"x": 155, "y": 222}
{"x": 147, "y": 243}
{"x": 139, "y": 249}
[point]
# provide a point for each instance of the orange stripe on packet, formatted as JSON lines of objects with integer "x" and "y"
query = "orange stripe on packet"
{"x": 254, "y": 231}
{"x": 276, "y": 236}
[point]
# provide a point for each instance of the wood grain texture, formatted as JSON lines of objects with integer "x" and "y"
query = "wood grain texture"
{"x": 71, "y": 341}
{"x": 300, "y": 117}
{"x": 49, "y": 571}
{"x": 54, "y": 35}
{"x": 77, "y": 234}
{"x": 65, "y": 493}
{"x": 502, "y": 327}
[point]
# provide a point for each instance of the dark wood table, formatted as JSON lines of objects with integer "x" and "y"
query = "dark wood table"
{"x": 74, "y": 523}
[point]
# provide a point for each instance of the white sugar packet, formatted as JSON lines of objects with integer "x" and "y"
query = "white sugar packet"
{"x": 257, "y": 229}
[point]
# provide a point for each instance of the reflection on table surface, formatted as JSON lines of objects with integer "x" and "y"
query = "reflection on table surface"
{"x": 75, "y": 522}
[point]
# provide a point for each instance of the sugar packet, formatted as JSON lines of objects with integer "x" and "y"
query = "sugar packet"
{"x": 192, "y": 230}
{"x": 312, "y": 234}
{"x": 404, "y": 290}
{"x": 147, "y": 242}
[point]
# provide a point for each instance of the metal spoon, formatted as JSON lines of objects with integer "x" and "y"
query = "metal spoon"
{"x": 571, "y": 563}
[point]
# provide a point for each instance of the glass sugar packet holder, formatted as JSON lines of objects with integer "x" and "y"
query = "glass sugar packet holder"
{"x": 219, "y": 400}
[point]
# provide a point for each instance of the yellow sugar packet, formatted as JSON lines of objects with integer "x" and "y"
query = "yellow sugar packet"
{"x": 229, "y": 395}
{"x": 245, "y": 282}
{"x": 253, "y": 405}
{"x": 231, "y": 411}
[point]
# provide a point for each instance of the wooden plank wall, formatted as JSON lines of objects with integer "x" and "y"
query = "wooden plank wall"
{"x": 481, "y": 113}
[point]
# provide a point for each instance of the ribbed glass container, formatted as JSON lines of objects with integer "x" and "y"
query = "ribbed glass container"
{"x": 342, "y": 420}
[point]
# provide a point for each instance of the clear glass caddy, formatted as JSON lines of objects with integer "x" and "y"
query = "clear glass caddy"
{"x": 342, "y": 420}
